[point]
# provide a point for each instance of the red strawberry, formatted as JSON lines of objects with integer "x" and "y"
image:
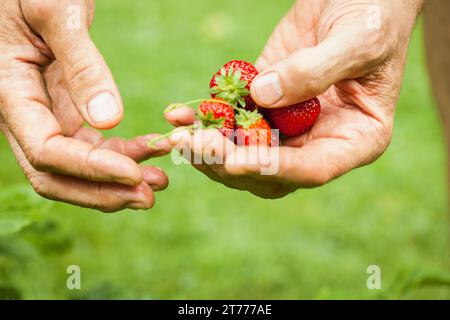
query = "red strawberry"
{"x": 232, "y": 83}
{"x": 294, "y": 120}
{"x": 215, "y": 114}
{"x": 252, "y": 129}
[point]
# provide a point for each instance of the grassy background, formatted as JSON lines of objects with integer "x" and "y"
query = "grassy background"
{"x": 204, "y": 241}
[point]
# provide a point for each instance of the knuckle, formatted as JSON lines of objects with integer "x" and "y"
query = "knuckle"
{"x": 99, "y": 204}
{"x": 376, "y": 48}
{"x": 312, "y": 85}
{"x": 106, "y": 208}
{"x": 308, "y": 78}
{"x": 40, "y": 154}
{"x": 104, "y": 202}
{"x": 84, "y": 73}
{"x": 41, "y": 10}
{"x": 36, "y": 158}
{"x": 40, "y": 184}
{"x": 320, "y": 179}
{"x": 85, "y": 168}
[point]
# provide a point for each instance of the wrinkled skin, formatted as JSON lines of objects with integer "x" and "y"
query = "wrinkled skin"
{"x": 323, "y": 48}
{"x": 47, "y": 75}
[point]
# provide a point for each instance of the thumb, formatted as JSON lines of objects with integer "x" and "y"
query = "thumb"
{"x": 64, "y": 27}
{"x": 304, "y": 74}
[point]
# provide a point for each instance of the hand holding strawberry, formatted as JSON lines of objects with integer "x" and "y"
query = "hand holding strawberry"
{"x": 357, "y": 83}
{"x": 230, "y": 106}
{"x": 233, "y": 82}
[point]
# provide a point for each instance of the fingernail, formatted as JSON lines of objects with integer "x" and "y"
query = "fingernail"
{"x": 155, "y": 187}
{"x": 137, "y": 206}
{"x": 267, "y": 88}
{"x": 178, "y": 112}
{"x": 180, "y": 136}
{"x": 103, "y": 107}
{"x": 160, "y": 145}
{"x": 174, "y": 106}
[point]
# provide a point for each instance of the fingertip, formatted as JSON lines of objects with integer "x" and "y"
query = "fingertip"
{"x": 127, "y": 172}
{"x": 161, "y": 147}
{"x": 145, "y": 197}
{"x": 155, "y": 178}
{"x": 180, "y": 116}
{"x": 180, "y": 137}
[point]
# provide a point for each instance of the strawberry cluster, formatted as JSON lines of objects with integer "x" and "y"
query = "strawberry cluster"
{"x": 253, "y": 124}
{"x": 232, "y": 110}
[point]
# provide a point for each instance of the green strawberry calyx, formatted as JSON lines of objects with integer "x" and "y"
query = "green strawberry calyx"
{"x": 207, "y": 121}
{"x": 245, "y": 118}
{"x": 230, "y": 87}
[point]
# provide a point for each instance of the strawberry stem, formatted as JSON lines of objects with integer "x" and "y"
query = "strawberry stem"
{"x": 206, "y": 123}
{"x": 152, "y": 143}
{"x": 178, "y": 105}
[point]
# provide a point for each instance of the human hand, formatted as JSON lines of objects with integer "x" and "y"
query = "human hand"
{"x": 332, "y": 49}
{"x": 52, "y": 80}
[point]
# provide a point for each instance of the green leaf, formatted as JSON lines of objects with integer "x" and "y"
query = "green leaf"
{"x": 21, "y": 198}
{"x": 9, "y": 293}
{"x": 245, "y": 118}
{"x": 19, "y": 207}
{"x": 230, "y": 87}
{"x": 209, "y": 122}
{"x": 220, "y": 81}
{"x": 213, "y": 90}
{"x": 11, "y": 224}
{"x": 241, "y": 101}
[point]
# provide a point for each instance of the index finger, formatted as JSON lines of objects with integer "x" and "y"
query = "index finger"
{"x": 26, "y": 111}
{"x": 136, "y": 148}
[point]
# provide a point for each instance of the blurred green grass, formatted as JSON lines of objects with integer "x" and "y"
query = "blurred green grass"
{"x": 204, "y": 241}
